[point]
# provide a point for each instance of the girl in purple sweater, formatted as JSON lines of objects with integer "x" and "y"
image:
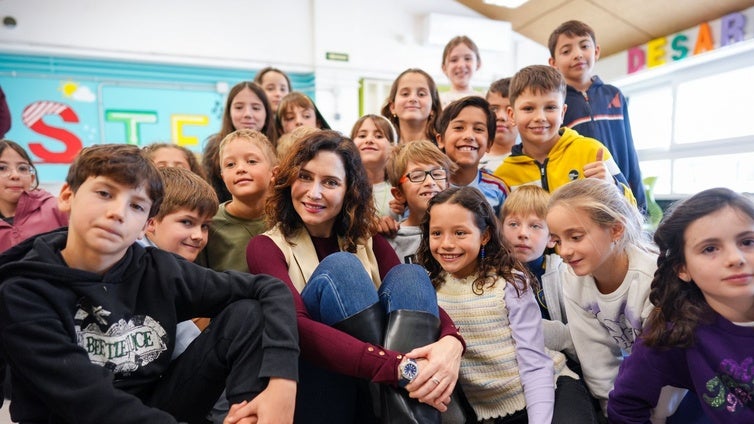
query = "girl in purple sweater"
{"x": 25, "y": 209}
{"x": 700, "y": 335}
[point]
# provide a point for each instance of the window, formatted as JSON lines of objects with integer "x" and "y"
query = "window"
{"x": 654, "y": 109}
{"x": 715, "y": 107}
{"x": 692, "y": 125}
{"x": 662, "y": 170}
{"x": 697, "y": 173}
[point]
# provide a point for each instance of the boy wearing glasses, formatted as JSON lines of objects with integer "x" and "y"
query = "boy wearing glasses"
{"x": 417, "y": 171}
{"x": 464, "y": 131}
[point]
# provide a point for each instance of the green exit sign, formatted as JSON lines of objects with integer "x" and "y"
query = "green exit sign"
{"x": 340, "y": 57}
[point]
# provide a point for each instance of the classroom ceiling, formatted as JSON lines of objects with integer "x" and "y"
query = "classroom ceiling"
{"x": 618, "y": 24}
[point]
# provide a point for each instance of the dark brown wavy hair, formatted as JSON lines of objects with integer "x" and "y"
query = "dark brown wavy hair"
{"x": 680, "y": 306}
{"x": 357, "y": 219}
{"x": 498, "y": 262}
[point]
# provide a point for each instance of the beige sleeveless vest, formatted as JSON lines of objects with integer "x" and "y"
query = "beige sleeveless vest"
{"x": 301, "y": 256}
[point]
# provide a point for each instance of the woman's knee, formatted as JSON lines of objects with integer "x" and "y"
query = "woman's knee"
{"x": 408, "y": 272}
{"x": 407, "y": 286}
{"x": 339, "y": 288}
{"x": 341, "y": 269}
{"x": 338, "y": 261}
{"x": 408, "y": 280}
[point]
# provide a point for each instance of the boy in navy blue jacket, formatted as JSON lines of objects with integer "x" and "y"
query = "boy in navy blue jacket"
{"x": 595, "y": 109}
{"x": 88, "y": 317}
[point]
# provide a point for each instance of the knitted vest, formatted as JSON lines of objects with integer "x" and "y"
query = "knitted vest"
{"x": 489, "y": 371}
{"x": 301, "y": 256}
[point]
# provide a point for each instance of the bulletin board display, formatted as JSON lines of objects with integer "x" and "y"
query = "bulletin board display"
{"x": 59, "y": 105}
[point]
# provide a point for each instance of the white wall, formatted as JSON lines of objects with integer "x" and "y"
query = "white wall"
{"x": 381, "y": 38}
{"x": 383, "y": 41}
{"x": 234, "y": 33}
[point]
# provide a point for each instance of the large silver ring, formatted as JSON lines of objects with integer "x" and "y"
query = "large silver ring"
{"x": 435, "y": 380}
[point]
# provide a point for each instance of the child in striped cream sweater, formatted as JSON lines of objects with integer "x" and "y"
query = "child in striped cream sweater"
{"x": 506, "y": 373}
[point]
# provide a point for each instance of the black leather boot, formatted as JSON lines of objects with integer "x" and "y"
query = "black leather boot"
{"x": 405, "y": 331}
{"x": 367, "y": 326}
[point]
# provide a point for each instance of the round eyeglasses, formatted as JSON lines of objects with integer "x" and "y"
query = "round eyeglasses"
{"x": 21, "y": 169}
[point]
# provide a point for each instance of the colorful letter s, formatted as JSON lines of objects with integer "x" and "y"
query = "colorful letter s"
{"x": 32, "y": 118}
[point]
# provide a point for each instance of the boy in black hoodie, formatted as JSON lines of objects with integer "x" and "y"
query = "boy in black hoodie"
{"x": 88, "y": 317}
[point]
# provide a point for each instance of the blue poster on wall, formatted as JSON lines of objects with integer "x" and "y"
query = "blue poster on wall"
{"x": 60, "y": 105}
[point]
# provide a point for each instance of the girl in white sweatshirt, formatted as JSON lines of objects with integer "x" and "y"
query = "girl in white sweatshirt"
{"x": 606, "y": 285}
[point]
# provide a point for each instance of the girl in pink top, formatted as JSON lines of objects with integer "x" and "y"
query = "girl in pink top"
{"x": 25, "y": 209}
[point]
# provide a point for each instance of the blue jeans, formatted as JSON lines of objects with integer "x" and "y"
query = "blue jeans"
{"x": 340, "y": 287}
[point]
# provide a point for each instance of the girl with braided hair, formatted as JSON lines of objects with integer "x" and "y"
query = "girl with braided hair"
{"x": 700, "y": 335}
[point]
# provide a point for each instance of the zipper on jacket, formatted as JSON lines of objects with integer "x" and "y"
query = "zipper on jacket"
{"x": 543, "y": 174}
{"x": 588, "y": 105}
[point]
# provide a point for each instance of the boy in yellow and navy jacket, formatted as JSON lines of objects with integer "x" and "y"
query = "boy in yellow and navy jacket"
{"x": 550, "y": 156}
